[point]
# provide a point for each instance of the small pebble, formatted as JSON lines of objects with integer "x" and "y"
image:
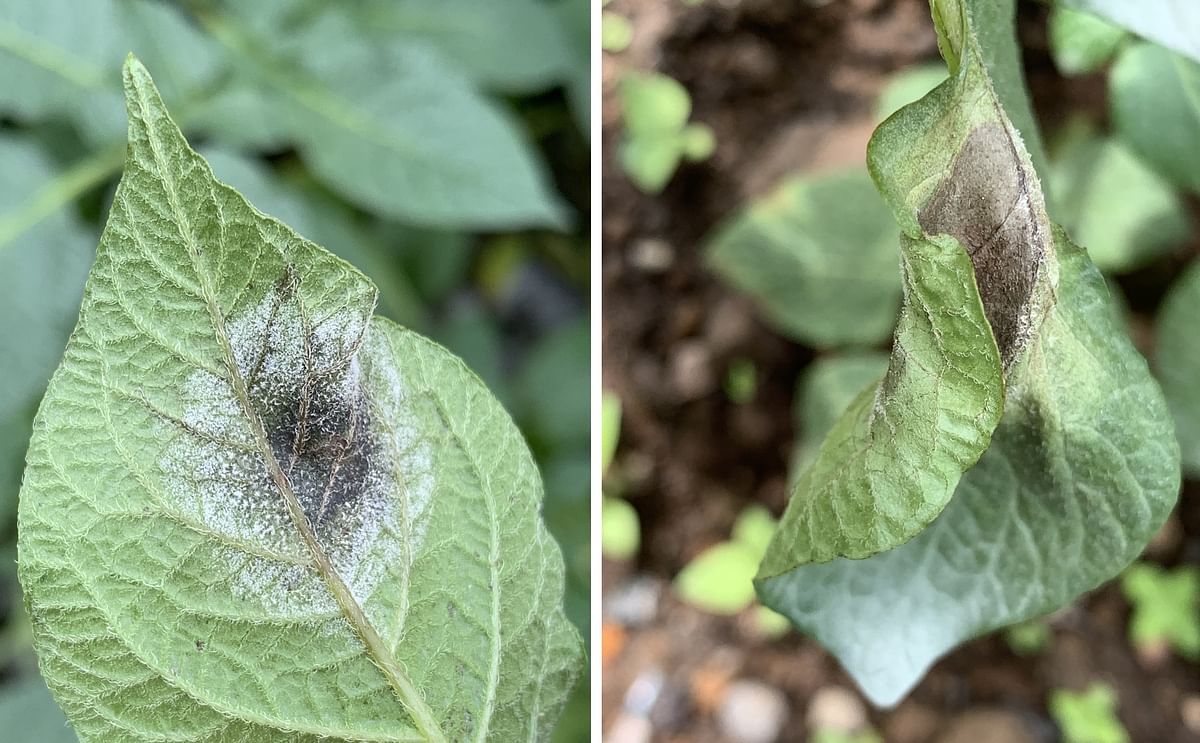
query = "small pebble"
{"x": 752, "y": 712}
{"x": 652, "y": 255}
{"x": 634, "y": 603}
{"x": 691, "y": 373}
{"x": 837, "y": 709}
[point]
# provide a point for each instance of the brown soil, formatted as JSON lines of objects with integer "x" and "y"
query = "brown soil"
{"x": 790, "y": 86}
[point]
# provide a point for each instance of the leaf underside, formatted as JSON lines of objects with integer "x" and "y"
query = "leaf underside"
{"x": 1071, "y": 480}
{"x": 251, "y": 509}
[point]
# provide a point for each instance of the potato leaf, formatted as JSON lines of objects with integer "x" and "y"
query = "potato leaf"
{"x": 1172, "y": 23}
{"x": 1083, "y": 462}
{"x": 252, "y": 511}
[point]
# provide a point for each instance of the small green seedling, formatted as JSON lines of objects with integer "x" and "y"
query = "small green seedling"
{"x": 827, "y": 735}
{"x": 610, "y": 428}
{"x": 620, "y": 529}
{"x": 657, "y": 133}
{"x": 1088, "y": 716}
{"x": 720, "y": 579}
{"x": 741, "y": 381}
{"x": 1166, "y": 608}
{"x": 616, "y": 32}
{"x": 1028, "y": 638}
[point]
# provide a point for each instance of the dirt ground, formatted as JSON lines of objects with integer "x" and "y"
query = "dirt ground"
{"x": 790, "y": 86}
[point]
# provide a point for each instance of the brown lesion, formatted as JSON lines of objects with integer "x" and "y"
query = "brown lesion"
{"x": 988, "y": 204}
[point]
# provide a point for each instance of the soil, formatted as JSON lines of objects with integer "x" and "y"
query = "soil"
{"x": 791, "y": 86}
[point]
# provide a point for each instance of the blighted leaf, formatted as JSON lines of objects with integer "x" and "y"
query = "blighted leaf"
{"x": 818, "y": 256}
{"x": 1126, "y": 214}
{"x": 253, "y": 511}
{"x": 1147, "y": 78}
{"x": 1177, "y": 362}
{"x": 1172, "y": 23}
{"x": 1087, "y": 470}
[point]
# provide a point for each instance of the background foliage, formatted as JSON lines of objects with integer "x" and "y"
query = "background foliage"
{"x": 439, "y": 146}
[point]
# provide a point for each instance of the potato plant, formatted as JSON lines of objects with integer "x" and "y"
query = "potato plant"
{"x": 1013, "y": 450}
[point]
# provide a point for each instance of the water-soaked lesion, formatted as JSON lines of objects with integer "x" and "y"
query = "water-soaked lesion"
{"x": 989, "y": 204}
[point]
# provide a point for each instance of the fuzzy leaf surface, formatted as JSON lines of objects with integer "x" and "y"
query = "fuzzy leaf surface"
{"x": 252, "y": 511}
{"x": 1082, "y": 468}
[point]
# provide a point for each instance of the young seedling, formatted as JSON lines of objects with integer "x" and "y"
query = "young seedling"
{"x": 946, "y": 493}
{"x": 252, "y": 510}
{"x": 616, "y": 32}
{"x": 1166, "y": 609}
{"x": 1088, "y": 716}
{"x": 741, "y": 381}
{"x": 620, "y": 529}
{"x": 1029, "y": 638}
{"x": 655, "y": 110}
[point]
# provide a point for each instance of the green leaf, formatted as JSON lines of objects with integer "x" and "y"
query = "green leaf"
{"x": 655, "y": 110}
{"x": 1029, "y": 638}
{"x": 44, "y": 259}
{"x": 741, "y": 381}
{"x": 1172, "y": 23}
{"x": 610, "y": 428}
{"x": 396, "y": 129}
{"x": 1086, "y": 469}
{"x": 1088, "y": 716}
{"x": 720, "y": 580}
{"x": 616, "y": 32}
{"x": 823, "y": 393}
{"x": 1154, "y": 97}
{"x": 753, "y": 530}
{"x": 1081, "y": 43}
{"x": 620, "y": 530}
{"x": 818, "y": 256}
{"x": 1177, "y": 362}
{"x": 26, "y": 709}
{"x": 1166, "y": 607}
{"x": 908, "y": 85}
{"x": 552, "y": 387}
{"x": 60, "y": 57}
{"x": 253, "y": 511}
{"x": 1125, "y": 213}
{"x": 517, "y": 46}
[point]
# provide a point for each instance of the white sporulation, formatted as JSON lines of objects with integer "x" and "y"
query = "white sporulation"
{"x": 369, "y": 512}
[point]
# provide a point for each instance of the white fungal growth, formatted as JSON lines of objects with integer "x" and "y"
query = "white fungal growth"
{"x": 355, "y": 461}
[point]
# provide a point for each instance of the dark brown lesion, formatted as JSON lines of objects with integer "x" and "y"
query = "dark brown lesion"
{"x": 988, "y": 204}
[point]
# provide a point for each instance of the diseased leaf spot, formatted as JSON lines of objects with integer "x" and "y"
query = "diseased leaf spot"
{"x": 309, "y": 390}
{"x": 987, "y": 204}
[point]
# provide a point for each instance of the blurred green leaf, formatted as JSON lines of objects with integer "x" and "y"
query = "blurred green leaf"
{"x": 741, "y": 383}
{"x": 1177, "y": 362}
{"x": 552, "y": 387}
{"x": 62, "y": 57}
{"x": 819, "y": 256}
{"x": 908, "y": 85}
{"x": 620, "y": 530}
{"x": 469, "y": 329}
{"x": 1122, "y": 211}
{"x": 1088, "y": 716}
{"x": 437, "y": 261}
{"x": 515, "y": 46}
{"x": 720, "y": 580}
{"x": 610, "y": 428}
{"x": 824, "y": 391}
{"x": 616, "y": 32}
{"x": 1081, "y": 42}
{"x": 655, "y": 110}
{"x": 28, "y": 711}
{"x": 326, "y": 223}
{"x": 396, "y": 129}
{"x": 827, "y": 735}
{"x": 1154, "y": 96}
{"x": 753, "y": 530}
{"x": 1028, "y": 638}
{"x": 44, "y": 260}
{"x": 1172, "y": 23}
{"x": 1166, "y": 607}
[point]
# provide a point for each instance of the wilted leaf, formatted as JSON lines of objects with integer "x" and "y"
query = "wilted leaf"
{"x": 818, "y": 255}
{"x": 252, "y": 511}
{"x": 1088, "y": 470}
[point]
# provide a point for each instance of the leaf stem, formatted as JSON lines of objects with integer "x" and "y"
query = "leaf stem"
{"x": 60, "y": 190}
